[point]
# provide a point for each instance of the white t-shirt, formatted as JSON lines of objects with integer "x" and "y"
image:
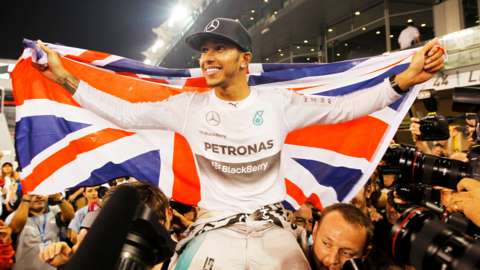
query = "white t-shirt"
{"x": 408, "y": 36}
{"x": 237, "y": 146}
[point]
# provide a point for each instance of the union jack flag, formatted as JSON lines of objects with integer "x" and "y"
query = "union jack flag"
{"x": 61, "y": 145}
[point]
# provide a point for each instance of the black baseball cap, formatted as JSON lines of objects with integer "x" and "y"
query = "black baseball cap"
{"x": 223, "y": 29}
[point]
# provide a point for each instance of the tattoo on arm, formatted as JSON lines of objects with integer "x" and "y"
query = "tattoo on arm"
{"x": 70, "y": 83}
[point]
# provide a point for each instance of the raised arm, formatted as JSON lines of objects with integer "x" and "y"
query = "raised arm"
{"x": 169, "y": 114}
{"x": 56, "y": 72}
{"x": 66, "y": 209}
{"x": 306, "y": 110}
{"x": 21, "y": 214}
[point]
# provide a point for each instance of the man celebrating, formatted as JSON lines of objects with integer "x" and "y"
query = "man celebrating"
{"x": 236, "y": 134}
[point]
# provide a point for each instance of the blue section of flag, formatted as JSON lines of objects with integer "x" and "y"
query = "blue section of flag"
{"x": 284, "y": 66}
{"x": 145, "y": 167}
{"x": 342, "y": 179}
{"x": 36, "y": 133}
{"x": 288, "y": 206}
{"x": 282, "y": 74}
{"x": 128, "y": 65}
{"x": 364, "y": 84}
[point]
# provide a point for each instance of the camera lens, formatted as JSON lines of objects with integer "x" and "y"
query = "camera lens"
{"x": 420, "y": 239}
{"x": 412, "y": 166}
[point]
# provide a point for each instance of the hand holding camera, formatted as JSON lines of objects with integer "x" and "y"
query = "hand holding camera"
{"x": 467, "y": 199}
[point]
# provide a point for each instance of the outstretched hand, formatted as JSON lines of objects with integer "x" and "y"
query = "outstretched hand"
{"x": 467, "y": 199}
{"x": 427, "y": 61}
{"x": 56, "y": 254}
{"x": 55, "y": 70}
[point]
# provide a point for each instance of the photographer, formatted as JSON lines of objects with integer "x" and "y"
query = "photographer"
{"x": 466, "y": 200}
{"x": 437, "y": 150}
{"x": 37, "y": 225}
{"x": 58, "y": 253}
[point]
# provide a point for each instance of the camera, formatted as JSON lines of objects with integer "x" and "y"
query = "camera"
{"x": 425, "y": 235}
{"x": 433, "y": 126}
{"x": 427, "y": 240}
{"x": 147, "y": 243}
{"x": 412, "y": 166}
{"x": 127, "y": 234}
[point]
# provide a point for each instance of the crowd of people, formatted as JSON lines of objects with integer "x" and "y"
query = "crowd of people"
{"x": 43, "y": 232}
{"x": 242, "y": 225}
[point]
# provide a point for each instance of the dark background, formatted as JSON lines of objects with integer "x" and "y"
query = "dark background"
{"x": 121, "y": 27}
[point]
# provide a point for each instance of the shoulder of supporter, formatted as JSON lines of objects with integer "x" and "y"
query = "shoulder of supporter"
{"x": 90, "y": 218}
{"x": 77, "y": 219}
{"x": 80, "y": 214}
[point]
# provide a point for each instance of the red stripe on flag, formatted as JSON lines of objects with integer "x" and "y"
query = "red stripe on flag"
{"x": 70, "y": 153}
{"x": 391, "y": 65}
{"x": 88, "y": 56}
{"x": 315, "y": 201}
{"x": 196, "y": 82}
{"x": 29, "y": 83}
{"x": 128, "y": 88}
{"x": 356, "y": 138}
{"x": 297, "y": 194}
{"x": 186, "y": 184}
{"x": 305, "y": 87}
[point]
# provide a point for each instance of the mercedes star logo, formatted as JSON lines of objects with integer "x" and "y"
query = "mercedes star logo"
{"x": 212, "y": 118}
{"x": 212, "y": 25}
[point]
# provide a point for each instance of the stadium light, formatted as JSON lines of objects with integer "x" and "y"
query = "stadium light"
{"x": 179, "y": 13}
{"x": 158, "y": 44}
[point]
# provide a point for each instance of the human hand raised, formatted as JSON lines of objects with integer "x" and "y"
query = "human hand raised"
{"x": 427, "y": 61}
{"x": 55, "y": 70}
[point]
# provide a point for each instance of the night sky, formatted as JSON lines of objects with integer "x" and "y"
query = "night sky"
{"x": 121, "y": 27}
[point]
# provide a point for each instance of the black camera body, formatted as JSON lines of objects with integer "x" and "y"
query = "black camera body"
{"x": 434, "y": 127}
